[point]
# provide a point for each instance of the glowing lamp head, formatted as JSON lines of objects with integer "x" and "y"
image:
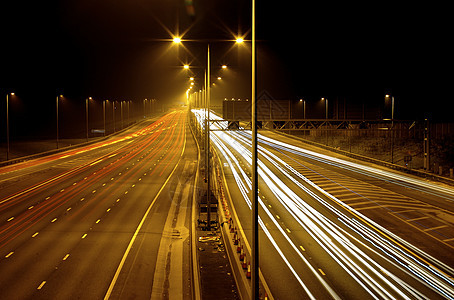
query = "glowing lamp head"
{"x": 239, "y": 40}
{"x": 177, "y": 40}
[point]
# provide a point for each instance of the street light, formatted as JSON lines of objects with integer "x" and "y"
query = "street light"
{"x": 56, "y": 105}
{"x": 7, "y": 124}
{"x": 104, "y": 115}
{"x": 326, "y": 107}
{"x": 176, "y": 40}
{"x": 86, "y": 115}
{"x": 387, "y": 97}
{"x": 239, "y": 40}
{"x": 207, "y": 120}
{"x": 304, "y": 108}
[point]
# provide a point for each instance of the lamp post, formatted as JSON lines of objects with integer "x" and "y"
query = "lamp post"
{"x": 7, "y": 124}
{"x": 86, "y": 116}
{"x": 104, "y": 115}
{"x": 207, "y": 123}
{"x": 207, "y": 148}
{"x": 56, "y": 105}
{"x": 113, "y": 115}
{"x": 387, "y": 97}
{"x": 121, "y": 113}
{"x": 304, "y": 108}
{"x": 254, "y": 192}
{"x": 326, "y": 107}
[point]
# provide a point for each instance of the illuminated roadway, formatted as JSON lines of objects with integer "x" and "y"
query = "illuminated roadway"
{"x": 335, "y": 228}
{"x": 98, "y": 220}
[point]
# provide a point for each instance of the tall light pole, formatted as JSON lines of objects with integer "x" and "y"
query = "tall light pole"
{"x": 7, "y": 124}
{"x": 121, "y": 113}
{"x": 56, "y": 105}
{"x": 207, "y": 78}
{"x": 207, "y": 148}
{"x": 113, "y": 115}
{"x": 254, "y": 192}
{"x": 304, "y": 108}
{"x": 392, "y": 126}
{"x": 86, "y": 116}
{"x": 326, "y": 107}
{"x": 104, "y": 115}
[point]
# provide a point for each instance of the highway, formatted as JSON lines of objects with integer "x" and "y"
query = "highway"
{"x": 105, "y": 220}
{"x": 336, "y": 228}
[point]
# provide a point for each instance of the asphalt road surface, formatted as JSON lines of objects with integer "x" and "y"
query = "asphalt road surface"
{"x": 106, "y": 220}
{"x": 336, "y": 228}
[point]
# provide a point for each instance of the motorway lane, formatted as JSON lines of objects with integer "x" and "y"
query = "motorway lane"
{"x": 64, "y": 236}
{"x": 423, "y": 217}
{"x": 355, "y": 257}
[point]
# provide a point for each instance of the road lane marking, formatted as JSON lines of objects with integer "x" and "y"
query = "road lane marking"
{"x": 35, "y": 234}
{"x": 131, "y": 242}
{"x": 84, "y": 236}
{"x": 96, "y": 162}
{"x": 10, "y": 219}
{"x": 321, "y": 271}
{"x": 41, "y": 285}
{"x": 417, "y": 219}
{"x": 31, "y": 207}
{"x": 66, "y": 257}
{"x": 9, "y": 254}
{"x": 302, "y": 248}
{"x": 99, "y": 220}
{"x": 437, "y": 227}
{"x": 55, "y": 219}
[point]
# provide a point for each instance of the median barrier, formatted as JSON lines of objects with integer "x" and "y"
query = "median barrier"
{"x": 236, "y": 245}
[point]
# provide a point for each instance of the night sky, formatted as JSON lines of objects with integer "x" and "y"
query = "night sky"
{"x": 121, "y": 50}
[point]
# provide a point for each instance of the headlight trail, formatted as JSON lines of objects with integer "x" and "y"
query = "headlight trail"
{"x": 348, "y": 251}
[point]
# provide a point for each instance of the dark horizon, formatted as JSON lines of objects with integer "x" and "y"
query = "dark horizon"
{"x": 123, "y": 51}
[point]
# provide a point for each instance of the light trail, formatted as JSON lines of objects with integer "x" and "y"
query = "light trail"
{"x": 407, "y": 181}
{"x": 349, "y": 250}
